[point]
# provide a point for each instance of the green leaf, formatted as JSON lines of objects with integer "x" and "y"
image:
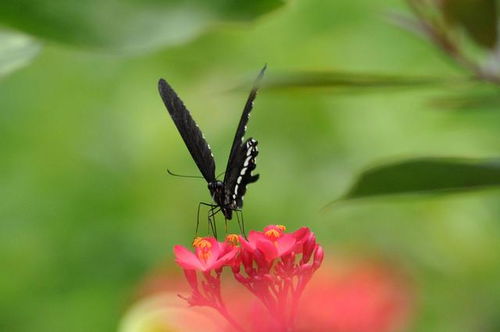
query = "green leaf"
{"x": 16, "y": 51}
{"x": 127, "y": 26}
{"x": 426, "y": 176}
{"x": 483, "y": 101}
{"x": 479, "y": 18}
{"x": 349, "y": 80}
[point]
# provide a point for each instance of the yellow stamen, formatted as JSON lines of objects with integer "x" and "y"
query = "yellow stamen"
{"x": 196, "y": 241}
{"x": 233, "y": 239}
{"x": 203, "y": 244}
{"x": 204, "y": 248}
{"x": 272, "y": 234}
{"x": 281, "y": 227}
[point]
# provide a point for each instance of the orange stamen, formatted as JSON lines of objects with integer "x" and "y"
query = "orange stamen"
{"x": 233, "y": 239}
{"x": 203, "y": 244}
{"x": 273, "y": 234}
{"x": 203, "y": 247}
{"x": 196, "y": 241}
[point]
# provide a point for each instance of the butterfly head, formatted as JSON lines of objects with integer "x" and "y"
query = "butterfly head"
{"x": 216, "y": 189}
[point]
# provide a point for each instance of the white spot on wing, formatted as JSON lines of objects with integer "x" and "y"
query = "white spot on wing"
{"x": 245, "y": 164}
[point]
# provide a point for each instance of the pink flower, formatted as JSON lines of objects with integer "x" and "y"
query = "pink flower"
{"x": 272, "y": 243}
{"x": 277, "y": 266}
{"x": 344, "y": 296}
{"x": 366, "y": 297}
{"x": 209, "y": 255}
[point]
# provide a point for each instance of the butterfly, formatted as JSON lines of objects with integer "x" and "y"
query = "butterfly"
{"x": 227, "y": 194}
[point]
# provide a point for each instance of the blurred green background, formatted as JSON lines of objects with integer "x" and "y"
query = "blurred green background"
{"x": 88, "y": 210}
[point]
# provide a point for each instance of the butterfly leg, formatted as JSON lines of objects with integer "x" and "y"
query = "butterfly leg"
{"x": 241, "y": 223}
{"x": 211, "y": 219}
{"x": 198, "y": 214}
{"x": 214, "y": 211}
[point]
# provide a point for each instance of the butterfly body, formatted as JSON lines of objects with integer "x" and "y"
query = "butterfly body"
{"x": 220, "y": 197}
{"x": 227, "y": 194}
{"x": 230, "y": 197}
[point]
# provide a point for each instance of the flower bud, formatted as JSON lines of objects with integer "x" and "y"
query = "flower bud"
{"x": 318, "y": 256}
{"x": 308, "y": 248}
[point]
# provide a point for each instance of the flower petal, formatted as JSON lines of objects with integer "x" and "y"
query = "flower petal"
{"x": 213, "y": 255}
{"x": 246, "y": 245}
{"x": 285, "y": 244}
{"x": 186, "y": 259}
{"x": 268, "y": 248}
{"x": 302, "y": 234}
{"x": 225, "y": 259}
{"x": 255, "y": 236}
{"x": 216, "y": 246}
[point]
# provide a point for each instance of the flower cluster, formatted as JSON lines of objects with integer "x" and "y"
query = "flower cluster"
{"x": 273, "y": 265}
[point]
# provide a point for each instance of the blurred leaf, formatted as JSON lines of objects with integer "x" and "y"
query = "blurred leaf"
{"x": 407, "y": 23}
{"x": 484, "y": 101}
{"x": 426, "y": 176}
{"x": 16, "y": 51}
{"x": 335, "y": 79}
{"x": 477, "y": 17}
{"x": 129, "y": 26}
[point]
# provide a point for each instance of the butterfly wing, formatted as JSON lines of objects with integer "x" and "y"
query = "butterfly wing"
{"x": 239, "y": 177}
{"x": 241, "y": 160}
{"x": 242, "y": 126}
{"x": 191, "y": 134}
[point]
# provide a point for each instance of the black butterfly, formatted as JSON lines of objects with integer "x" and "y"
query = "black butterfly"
{"x": 227, "y": 194}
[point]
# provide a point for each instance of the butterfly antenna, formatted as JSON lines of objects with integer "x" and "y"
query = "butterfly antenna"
{"x": 258, "y": 80}
{"x": 184, "y": 176}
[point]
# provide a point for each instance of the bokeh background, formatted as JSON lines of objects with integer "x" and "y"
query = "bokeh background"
{"x": 88, "y": 211}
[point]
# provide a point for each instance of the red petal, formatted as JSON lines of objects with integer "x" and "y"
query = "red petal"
{"x": 186, "y": 259}
{"x": 247, "y": 246}
{"x": 255, "y": 236}
{"x": 302, "y": 234}
{"x": 285, "y": 244}
{"x": 225, "y": 259}
{"x": 268, "y": 248}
